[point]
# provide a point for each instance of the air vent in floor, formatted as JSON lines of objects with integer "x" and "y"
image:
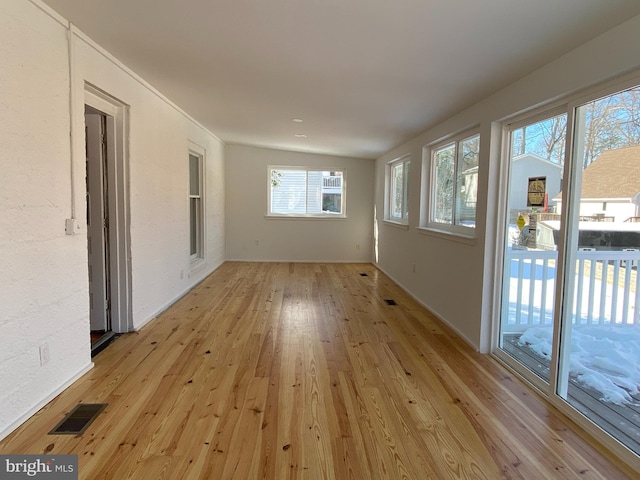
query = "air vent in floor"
{"x": 78, "y": 419}
{"x": 390, "y": 302}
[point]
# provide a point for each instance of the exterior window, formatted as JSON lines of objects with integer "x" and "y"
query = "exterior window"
{"x": 454, "y": 184}
{"x": 305, "y": 192}
{"x": 196, "y": 212}
{"x": 398, "y": 190}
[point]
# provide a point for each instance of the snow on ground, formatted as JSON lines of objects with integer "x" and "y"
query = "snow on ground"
{"x": 603, "y": 357}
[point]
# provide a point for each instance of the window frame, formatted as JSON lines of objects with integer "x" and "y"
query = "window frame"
{"x": 390, "y": 190}
{"x": 197, "y": 199}
{"x": 306, "y": 169}
{"x": 428, "y": 222}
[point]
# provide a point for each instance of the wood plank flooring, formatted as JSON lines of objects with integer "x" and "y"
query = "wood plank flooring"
{"x": 302, "y": 371}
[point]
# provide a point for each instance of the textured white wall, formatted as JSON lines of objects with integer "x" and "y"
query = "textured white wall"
{"x": 300, "y": 240}
{"x": 455, "y": 279}
{"x": 158, "y": 172}
{"x": 44, "y": 286}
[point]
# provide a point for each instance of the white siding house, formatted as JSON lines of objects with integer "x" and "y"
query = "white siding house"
{"x": 611, "y": 186}
{"x": 526, "y": 166}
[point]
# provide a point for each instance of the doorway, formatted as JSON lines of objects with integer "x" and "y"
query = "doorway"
{"x": 108, "y": 253}
{"x": 569, "y": 321}
{"x": 99, "y": 131}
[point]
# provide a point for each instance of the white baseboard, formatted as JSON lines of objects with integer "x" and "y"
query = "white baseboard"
{"x": 262, "y": 260}
{"x": 46, "y": 399}
{"x": 430, "y": 310}
{"x": 198, "y": 278}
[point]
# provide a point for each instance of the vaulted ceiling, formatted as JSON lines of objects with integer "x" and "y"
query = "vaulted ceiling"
{"x": 362, "y": 75}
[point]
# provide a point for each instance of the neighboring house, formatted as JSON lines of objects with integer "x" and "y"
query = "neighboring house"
{"x": 529, "y": 165}
{"x": 315, "y": 192}
{"x": 469, "y": 198}
{"x": 523, "y": 167}
{"x": 332, "y": 192}
{"x": 611, "y": 185}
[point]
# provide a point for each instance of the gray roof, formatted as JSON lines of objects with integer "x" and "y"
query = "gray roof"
{"x": 614, "y": 174}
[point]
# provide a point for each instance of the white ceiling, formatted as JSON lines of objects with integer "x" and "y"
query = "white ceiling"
{"x": 364, "y": 75}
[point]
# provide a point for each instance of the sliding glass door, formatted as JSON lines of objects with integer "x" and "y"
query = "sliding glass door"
{"x": 599, "y": 355}
{"x": 536, "y": 160}
{"x": 570, "y": 305}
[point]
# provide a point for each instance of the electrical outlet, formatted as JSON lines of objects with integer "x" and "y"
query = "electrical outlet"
{"x": 414, "y": 268}
{"x": 357, "y": 246}
{"x": 44, "y": 354}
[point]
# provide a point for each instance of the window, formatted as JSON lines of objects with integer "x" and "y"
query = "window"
{"x": 454, "y": 184}
{"x": 196, "y": 211}
{"x": 537, "y": 147}
{"x": 398, "y": 190}
{"x": 306, "y": 192}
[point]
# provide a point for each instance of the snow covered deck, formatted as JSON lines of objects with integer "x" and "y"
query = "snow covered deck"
{"x": 621, "y": 420}
{"x": 604, "y": 365}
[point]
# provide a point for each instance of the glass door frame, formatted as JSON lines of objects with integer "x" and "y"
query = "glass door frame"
{"x": 529, "y": 118}
{"x": 567, "y": 250}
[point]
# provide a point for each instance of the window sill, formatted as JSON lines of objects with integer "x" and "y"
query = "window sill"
{"x": 445, "y": 234}
{"x": 391, "y": 223}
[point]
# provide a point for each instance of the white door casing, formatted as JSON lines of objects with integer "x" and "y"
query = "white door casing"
{"x": 117, "y": 235}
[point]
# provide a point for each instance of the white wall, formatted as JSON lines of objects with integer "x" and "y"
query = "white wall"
{"x": 44, "y": 286}
{"x": 456, "y": 279}
{"x": 158, "y": 171}
{"x": 298, "y": 240}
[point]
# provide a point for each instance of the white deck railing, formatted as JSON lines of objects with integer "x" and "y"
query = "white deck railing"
{"x": 606, "y": 289}
{"x": 332, "y": 182}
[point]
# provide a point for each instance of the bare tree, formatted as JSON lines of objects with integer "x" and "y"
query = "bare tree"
{"x": 629, "y": 125}
{"x": 610, "y": 122}
{"x": 545, "y": 139}
{"x": 554, "y": 136}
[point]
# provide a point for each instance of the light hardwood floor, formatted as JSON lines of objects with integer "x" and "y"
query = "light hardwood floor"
{"x": 278, "y": 371}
